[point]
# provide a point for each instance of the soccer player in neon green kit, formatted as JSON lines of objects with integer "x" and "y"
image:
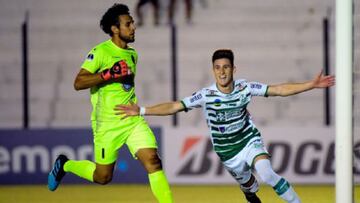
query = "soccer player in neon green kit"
{"x": 109, "y": 71}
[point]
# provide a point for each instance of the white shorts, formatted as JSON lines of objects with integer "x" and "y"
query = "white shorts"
{"x": 240, "y": 165}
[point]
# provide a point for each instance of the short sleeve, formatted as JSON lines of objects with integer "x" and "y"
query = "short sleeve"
{"x": 196, "y": 100}
{"x": 258, "y": 89}
{"x": 93, "y": 61}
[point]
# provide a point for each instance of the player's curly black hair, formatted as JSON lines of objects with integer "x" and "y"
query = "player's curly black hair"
{"x": 223, "y": 53}
{"x": 111, "y": 17}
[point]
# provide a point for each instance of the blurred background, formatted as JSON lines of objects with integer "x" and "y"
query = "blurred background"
{"x": 274, "y": 41}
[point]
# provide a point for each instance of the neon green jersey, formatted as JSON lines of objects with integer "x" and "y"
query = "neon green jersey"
{"x": 105, "y": 96}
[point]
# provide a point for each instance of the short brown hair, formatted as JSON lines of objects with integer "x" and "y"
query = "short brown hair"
{"x": 223, "y": 53}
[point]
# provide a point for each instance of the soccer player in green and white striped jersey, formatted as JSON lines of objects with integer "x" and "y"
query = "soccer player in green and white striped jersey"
{"x": 235, "y": 138}
{"x": 108, "y": 71}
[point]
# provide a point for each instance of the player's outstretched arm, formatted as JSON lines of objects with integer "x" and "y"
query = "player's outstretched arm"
{"x": 287, "y": 89}
{"x": 163, "y": 109}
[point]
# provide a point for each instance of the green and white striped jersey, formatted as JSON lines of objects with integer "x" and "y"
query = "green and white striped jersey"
{"x": 226, "y": 115}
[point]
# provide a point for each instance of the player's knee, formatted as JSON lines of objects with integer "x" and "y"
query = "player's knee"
{"x": 268, "y": 177}
{"x": 252, "y": 186}
{"x": 266, "y": 173}
{"x": 153, "y": 163}
{"x": 242, "y": 173}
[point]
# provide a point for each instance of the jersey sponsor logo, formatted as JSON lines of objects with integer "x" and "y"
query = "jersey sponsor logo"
{"x": 231, "y": 104}
{"x": 127, "y": 87}
{"x": 258, "y": 145}
{"x": 127, "y": 83}
{"x": 212, "y": 92}
{"x": 232, "y": 127}
{"x": 235, "y": 126}
{"x": 256, "y": 86}
{"x": 221, "y": 116}
{"x": 90, "y": 57}
{"x": 217, "y": 102}
{"x": 195, "y": 98}
{"x": 227, "y": 115}
{"x": 240, "y": 86}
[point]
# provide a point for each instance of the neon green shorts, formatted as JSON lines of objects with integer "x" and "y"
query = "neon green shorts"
{"x": 107, "y": 142}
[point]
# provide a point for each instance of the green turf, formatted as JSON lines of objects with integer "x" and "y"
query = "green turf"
{"x": 142, "y": 194}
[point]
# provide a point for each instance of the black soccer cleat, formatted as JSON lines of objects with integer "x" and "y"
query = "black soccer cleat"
{"x": 252, "y": 198}
{"x": 57, "y": 172}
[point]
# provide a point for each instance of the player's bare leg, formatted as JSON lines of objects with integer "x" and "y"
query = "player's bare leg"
{"x": 103, "y": 173}
{"x": 86, "y": 169}
{"x": 158, "y": 182}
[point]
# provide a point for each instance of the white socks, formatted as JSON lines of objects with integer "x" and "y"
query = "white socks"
{"x": 279, "y": 184}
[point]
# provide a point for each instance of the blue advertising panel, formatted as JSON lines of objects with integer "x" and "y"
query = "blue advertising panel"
{"x": 26, "y": 156}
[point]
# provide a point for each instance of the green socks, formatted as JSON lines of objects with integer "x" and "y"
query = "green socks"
{"x": 160, "y": 187}
{"x": 84, "y": 168}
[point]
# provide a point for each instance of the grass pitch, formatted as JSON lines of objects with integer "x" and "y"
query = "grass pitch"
{"x": 142, "y": 194}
